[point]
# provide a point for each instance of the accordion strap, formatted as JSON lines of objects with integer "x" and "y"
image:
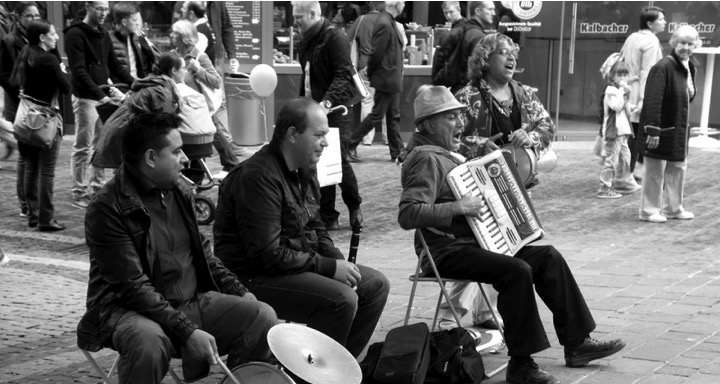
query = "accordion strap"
{"x": 441, "y": 233}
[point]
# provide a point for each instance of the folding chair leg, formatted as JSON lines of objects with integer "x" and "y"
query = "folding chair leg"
{"x": 412, "y": 291}
{"x": 500, "y": 328}
{"x": 98, "y": 369}
{"x": 174, "y": 376}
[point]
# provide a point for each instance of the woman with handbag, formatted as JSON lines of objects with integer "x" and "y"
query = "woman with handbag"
{"x": 41, "y": 77}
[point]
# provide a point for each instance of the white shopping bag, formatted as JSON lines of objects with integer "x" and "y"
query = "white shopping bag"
{"x": 329, "y": 168}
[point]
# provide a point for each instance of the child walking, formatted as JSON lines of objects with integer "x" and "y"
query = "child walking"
{"x": 612, "y": 145}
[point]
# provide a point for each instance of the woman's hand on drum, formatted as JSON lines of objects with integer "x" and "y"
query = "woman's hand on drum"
{"x": 652, "y": 142}
{"x": 201, "y": 346}
{"x": 520, "y": 138}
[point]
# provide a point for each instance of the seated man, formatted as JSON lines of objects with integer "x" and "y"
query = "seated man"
{"x": 155, "y": 287}
{"x": 269, "y": 232}
{"x": 428, "y": 202}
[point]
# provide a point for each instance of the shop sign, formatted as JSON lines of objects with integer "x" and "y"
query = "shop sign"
{"x": 603, "y": 28}
{"x": 524, "y": 10}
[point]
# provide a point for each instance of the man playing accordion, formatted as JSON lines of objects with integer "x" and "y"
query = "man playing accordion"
{"x": 427, "y": 204}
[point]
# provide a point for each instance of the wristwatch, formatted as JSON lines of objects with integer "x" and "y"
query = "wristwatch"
{"x": 326, "y": 103}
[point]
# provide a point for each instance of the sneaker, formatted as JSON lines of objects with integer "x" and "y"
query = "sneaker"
{"x": 627, "y": 188}
{"x": 23, "y": 212}
{"x": 608, "y": 194}
{"x": 654, "y": 218}
{"x": 590, "y": 350}
{"x": 3, "y": 259}
{"x": 81, "y": 202}
{"x": 525, "y": 371}
{"x": 684, "y": 215}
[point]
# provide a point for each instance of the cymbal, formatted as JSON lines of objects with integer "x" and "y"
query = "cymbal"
{"x": 312, "y": 355}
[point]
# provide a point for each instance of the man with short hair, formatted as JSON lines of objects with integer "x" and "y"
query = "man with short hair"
{"x": 130, "y": 44}
{"x": 155, "y": 289}
{"x": 451, "y": 10}
{"x": 269, "y": 232}
{"x": 385, "y": 70}
{"x": 428, "y": 205}
{"x": 450, "y": 60}
{"x": 327, "y": 79}
{"x": 194, "y": 11}
{"x": 92, "y": 62}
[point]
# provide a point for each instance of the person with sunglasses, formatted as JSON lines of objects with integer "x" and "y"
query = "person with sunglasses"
{"x": 92, "y": 62}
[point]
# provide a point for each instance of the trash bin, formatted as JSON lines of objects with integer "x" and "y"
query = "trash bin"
{"x": 245, "y": 111}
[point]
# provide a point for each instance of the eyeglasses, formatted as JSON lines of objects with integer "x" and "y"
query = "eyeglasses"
{"x": 506, "y": 52}
{"x": 100, "y": 9}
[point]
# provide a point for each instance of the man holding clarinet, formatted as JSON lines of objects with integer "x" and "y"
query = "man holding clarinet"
{"x": 268, "y": 231}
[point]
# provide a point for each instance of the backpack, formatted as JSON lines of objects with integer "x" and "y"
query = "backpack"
{"x": 451, "y": 71}
{"x": 453, "y": 358}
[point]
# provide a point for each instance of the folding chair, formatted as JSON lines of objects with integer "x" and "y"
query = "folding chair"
{"x": 106, "y": 376}
{"x": 419, "y": 277}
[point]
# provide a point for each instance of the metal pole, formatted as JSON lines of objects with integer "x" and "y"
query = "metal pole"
{"x": 559, "y": 67}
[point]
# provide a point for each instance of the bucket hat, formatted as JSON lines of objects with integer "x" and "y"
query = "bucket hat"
{"x": 434, "y": 100}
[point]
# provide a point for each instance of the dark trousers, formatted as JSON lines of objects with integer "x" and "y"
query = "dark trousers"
{"x": 348, "y": 316}
{"x": 239, "y": 326}
{"x": 636, "y": 147}
{"x": 224, "y": 150}
{"x": 39, "y": 180}
{"x": 348, "y": 185}
{"x": 387, "y": 106}
{"x": 513, "y": 278}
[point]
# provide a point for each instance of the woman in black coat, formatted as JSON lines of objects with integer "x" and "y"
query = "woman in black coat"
{"x": 665, "y": 133}
{"x": 39, "y": 73}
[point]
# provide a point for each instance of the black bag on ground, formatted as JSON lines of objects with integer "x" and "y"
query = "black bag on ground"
{"x": 405, "y": 355}
{"x": 454, "y": 359}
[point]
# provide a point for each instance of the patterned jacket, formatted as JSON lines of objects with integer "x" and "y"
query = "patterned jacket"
{"x": 478, "y": 118}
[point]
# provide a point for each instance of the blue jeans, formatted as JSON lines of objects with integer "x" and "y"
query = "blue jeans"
{"x": 239, "y": 326}
{"x": 348, "y": 316}
{"x": 86, "y": 136}
{"x": 40, "y": 180}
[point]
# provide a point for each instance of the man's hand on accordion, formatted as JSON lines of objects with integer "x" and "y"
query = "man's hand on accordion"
{"x": 468, "y": 206}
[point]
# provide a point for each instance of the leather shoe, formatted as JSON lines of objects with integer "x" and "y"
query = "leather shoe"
{"x": 356, "y": 217}
{"x": 32, "y": 224}
{"x": 525, "y": 371}
{"x": 353, "y": 156}
{"x": 53, "y": 226}
{"x": 590, "y": 350}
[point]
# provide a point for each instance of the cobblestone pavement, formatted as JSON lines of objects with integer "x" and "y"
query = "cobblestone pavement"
{"x": 655, "y": 285}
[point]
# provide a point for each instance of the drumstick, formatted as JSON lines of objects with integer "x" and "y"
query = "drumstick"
{"x": 228, "y": 372}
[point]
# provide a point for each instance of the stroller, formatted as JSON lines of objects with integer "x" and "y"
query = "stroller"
{"x": 198, "y": 174}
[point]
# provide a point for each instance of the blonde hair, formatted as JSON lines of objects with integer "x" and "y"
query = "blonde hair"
{"x": 307, "y": 6}
{"x": 187, "y": 31}
{"x": 686, "y": 31}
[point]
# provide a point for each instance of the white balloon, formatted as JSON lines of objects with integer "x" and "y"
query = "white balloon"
{"x": 263, "y": 80}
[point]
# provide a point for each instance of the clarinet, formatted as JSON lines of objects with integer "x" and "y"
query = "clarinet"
{"x": 354, "y": 242}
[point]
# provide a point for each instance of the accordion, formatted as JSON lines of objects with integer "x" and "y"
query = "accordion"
{"x": 507, "y": 220}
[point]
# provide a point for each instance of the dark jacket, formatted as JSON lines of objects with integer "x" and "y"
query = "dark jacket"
{"x": 666, "y": 105}
{"x": 385, "y": 65}
{"x": 219, "y": 20}
{"x": 44, "y": 78}
{"x": 124, "y": 271}
{"x": 362, "y": 31}
{"x": 328, "y": 52}
{"x": 145, "y": 54}
{"x": 92, "y": 60}
{"x": 10, "y": 48}
{"x": 149, "y": 95}
{"x": 268, "y": 220}
{"x": 450, "y": 63}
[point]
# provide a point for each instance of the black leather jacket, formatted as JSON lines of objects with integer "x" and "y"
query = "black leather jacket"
{"x": 268, "y": 220}
{"x": 124, "y": 270}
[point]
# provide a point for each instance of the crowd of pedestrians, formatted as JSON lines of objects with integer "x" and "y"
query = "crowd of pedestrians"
{"x": 274, "y": 251}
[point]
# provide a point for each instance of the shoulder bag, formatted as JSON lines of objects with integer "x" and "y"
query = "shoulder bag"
{"x": 37, "y": 122}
